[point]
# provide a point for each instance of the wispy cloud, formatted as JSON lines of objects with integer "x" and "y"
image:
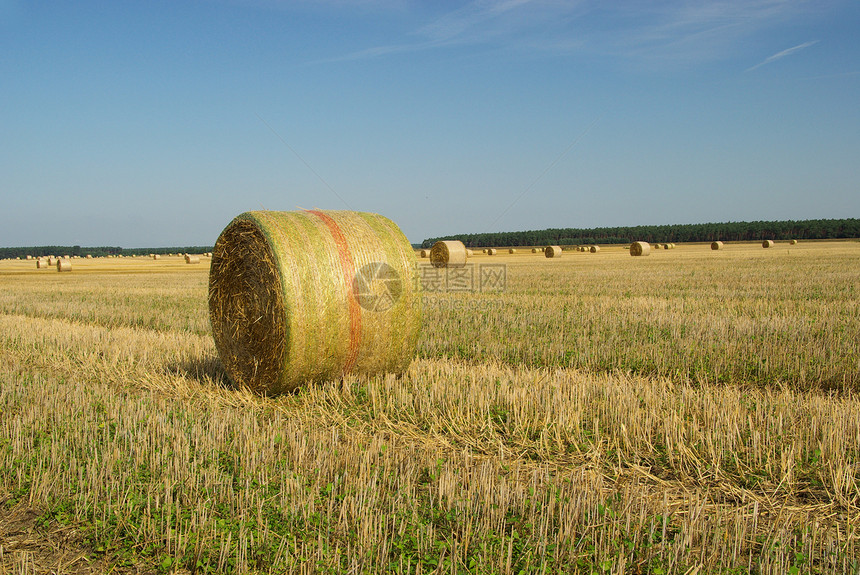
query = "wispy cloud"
{"x": 673, "y": 31}
{"x": 783, "y": 54}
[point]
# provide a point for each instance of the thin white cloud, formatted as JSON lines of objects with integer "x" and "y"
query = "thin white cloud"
{"x": 672, "y": 31}
{"x": 783, "y": 54}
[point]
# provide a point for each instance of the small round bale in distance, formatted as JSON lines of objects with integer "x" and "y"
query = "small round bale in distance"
{"x": 492, "y": 251}
{"x": 425, "y": 253}
{"x": 189, "y": 259}
{"x": 448, "y": 254}
{"x": 594, "y": 249}
{"x": 41, "y": 264}
{"x": 300, "y": 297}
{"x": 640, "y": 249}
{"x": 469, "y": 253}
{"x": 64, "y": 265}
{"x": 792, "y": 242}
{"x": 552, "y": 251}
{"x": 767, "y": 244}
{"x": 717, "y": 245}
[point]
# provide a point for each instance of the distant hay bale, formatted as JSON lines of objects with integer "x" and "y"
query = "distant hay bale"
{"x": 492, "y": 251}
{"x": 156, "y": 256}
{"x": 64, "y": 265}
{"x": 425, "y": 253}
{"x": 640, "y": 249}
{"x": 189, "y": 259}
{"x": 52, "y": 261}
{"x": 552, "y": 251}
{"x": 512, "y": 251}
{"x": 29, "y": 257}
{"x": 470, "y": 253}
{"x": 534, "y": 250}
{"x": 767, "y": 244}
{"x": 42, "y": 264}
{"x": 89, "y": 256}
{"x": 448, "y": 254}
{"x": 792, "y": 242}
{"x": 284, "y": 315}
{"x": 666, "y": 247}
{"x": 717, "y": 245}
{"x": 594, "y": 249}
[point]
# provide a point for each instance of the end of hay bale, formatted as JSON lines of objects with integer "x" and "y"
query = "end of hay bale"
{"x": 767, "y": 244}
{"x": 552, "y": 251}
{"x": 448, "y": 254}
{"x": 718, "y": 245}
{"x": 640, "y": 249}
{"x": 594, "y": 249}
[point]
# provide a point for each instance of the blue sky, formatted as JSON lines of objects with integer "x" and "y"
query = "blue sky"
{"x": 147, "y": 124}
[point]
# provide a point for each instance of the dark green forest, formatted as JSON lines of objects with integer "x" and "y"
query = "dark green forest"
{"x": 39, "y": 251}
{"x": 727, "y": 231}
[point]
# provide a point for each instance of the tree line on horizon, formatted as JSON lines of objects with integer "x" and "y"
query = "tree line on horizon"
{"x": 670, "y": 233}
{"x": 96, "y": 252}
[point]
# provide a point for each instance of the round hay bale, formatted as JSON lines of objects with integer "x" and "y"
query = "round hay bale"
{"x": 640, "y": 249}
{"x": 448, "y": 254}
{"x": 792, "y": 242}
{"x": 284, "y": 315}
{"x": 717, "y": 245}
{"x": 534, "y": 250}
{"x": 594, "y": 249}
{"x": 492, "y": 251}
{"x": 470, "y": 253}
{"x": 29, "y": 257}
{"x": 552, "y": 251}
{"x": 512, "y": 251}
{"x": 156, "y": 257}
{"x": 41, "y": 264}
{"x": 425, "y": 253}
{"x": 52, "y": 261}
{"x": 767, "y": 244}
{"x": 189, "y": 259}
{"x": 666, "y": 247}
{"x": 484, "y": 250}
{"x": 64, "y": 265}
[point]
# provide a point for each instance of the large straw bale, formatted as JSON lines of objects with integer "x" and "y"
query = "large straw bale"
{"x": 448, "y": 254}
{"x": 552, "y": 251}
{"x": 64, "y": 265}
{"x": 640, "y": 249}
{"x": 189, "y": 259}
{"x": 492, "y": 251}
{"x": 594, "y": 249}
{"x": 717, "y": 245}
{"x": 767, "y": 244}
{"x": 299, "y": 297}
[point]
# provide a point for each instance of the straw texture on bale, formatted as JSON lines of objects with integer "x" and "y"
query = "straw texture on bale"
{"x": 767, "y": 244}
{"x": 552, "y": 251}
{"x": 640, "y": 249}
{"x": 718, "y": 245}
{"x": 189, "y": 259}
{"x": 64, "y": 265}
{"x": 492, "y": 251}
{"x": 448, "y": 254}
{"x": 299, "y": 297}
{"x": 594, "y": 249}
